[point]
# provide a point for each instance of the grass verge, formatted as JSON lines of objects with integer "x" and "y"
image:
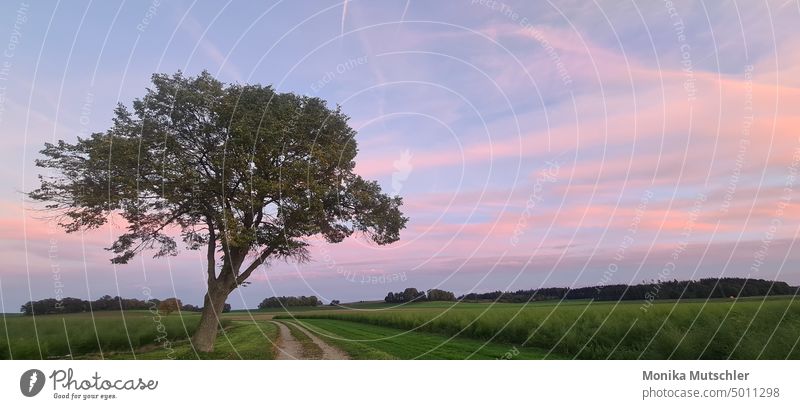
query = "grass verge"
{"x": 236, "y": 341}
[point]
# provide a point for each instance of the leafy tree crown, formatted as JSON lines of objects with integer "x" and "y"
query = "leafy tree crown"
{"x": 247, "y": 171}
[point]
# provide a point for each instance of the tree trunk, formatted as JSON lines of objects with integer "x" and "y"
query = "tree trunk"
{"x": 213, "y": 303}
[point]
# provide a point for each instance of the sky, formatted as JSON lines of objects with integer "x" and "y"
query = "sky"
{"x": 535, "y": 144}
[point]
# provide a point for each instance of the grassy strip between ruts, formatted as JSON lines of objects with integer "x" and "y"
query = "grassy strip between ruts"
{"x": 310, "y": 350}
{"x": 365, "y": 341}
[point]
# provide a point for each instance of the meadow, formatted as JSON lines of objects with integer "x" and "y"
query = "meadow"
{"x": 748, "y": 328}
{"x": 100, "y": 334}
{"x": 367, "y": 341}
{"x": 745, "y": 328}
{"x": 239, "y": 340}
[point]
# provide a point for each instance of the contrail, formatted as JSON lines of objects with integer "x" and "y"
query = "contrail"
{"x": 405, "y": 10}
{"x": 344, "y": 13}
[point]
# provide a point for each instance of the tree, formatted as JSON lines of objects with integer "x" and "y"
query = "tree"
{"x": 169, "y": 305}
{"x": 334, "y": 303}
{"x": 440, "y": 295}
{"x": 408, "y": 295}
{"x": 245, "y": 172}
{"x": 190, "y": 308}
{"x": 283, "y": 302}
{"x": 412, "y": 295}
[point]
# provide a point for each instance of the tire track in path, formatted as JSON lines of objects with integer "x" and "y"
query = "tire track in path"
{"x": 288, "y": 347}
{"x": 328, "y": 352}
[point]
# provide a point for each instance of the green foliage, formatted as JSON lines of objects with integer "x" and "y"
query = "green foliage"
{"x": 408, "y": 295}
{"x": 169, "y": 305}
{"x": 414, "y": 295}
{"x": 724, "y": 287}
{"x": 440, "y": 295}
{"x": 284, "y": 302}
{"x": 240, "y": 169}
{"x": 69, "y": 305}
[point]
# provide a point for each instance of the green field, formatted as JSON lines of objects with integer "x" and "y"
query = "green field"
{"x": 765, "y": 328}
{"x": 748, "y": 328}
{"x": 365, "y": 341}
{"x": 63, "y": 336}
{"x": 237, "y": 341}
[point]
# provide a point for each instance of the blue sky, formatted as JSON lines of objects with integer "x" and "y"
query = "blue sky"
{"x": 460, "y": 107}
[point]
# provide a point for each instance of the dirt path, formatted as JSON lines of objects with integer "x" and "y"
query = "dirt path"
{"x": 328, "y": 351}
{"x": 288, "y": 346}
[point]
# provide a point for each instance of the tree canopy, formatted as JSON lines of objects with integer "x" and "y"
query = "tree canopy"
{"x": 703, "y": 288}
{"x": 246, "y": 172}
{"x": 241, "y": 166}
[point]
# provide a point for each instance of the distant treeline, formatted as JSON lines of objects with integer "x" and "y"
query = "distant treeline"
{"x": 69, "y": 305}
{"x": 280, "y": 302}
{"x": 414, "y": 295}
{"x": 703, "y": 288}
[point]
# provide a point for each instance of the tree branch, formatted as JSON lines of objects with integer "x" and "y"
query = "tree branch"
{"x": 257, "y": 262}
{"x": 212, "y": 249}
